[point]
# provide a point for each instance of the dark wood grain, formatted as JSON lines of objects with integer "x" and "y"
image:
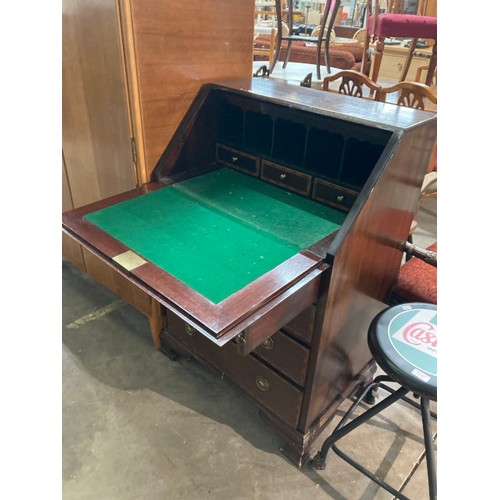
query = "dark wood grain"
{"x": 280, "y": 397}
{"x": 286, "y": 355}
{"x": 366, "y": 257}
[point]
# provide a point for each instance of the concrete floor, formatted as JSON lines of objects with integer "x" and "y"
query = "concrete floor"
{"x": 136, "y": 425}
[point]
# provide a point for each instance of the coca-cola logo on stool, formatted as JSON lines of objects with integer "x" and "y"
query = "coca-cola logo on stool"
{"x": 413, "y": 334}
{"x": 420, "y": 333}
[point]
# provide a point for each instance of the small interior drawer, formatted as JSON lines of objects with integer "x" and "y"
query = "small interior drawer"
{"x": 238, "y": 160}
{"x": 286, "y": 355}
{"x": 333, "y": 195}
{"x": 286, "y": 178}
{"x": 260, "y": 382}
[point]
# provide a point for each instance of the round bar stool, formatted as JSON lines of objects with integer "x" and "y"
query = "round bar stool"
{"x": 403, "y": 341}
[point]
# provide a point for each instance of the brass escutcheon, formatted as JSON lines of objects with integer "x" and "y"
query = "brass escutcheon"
{"x": 268, "y": 343}
{"x": 340, "y": 198}
{"x": 262, "y": 383}
{"x": 283, "y": 177}
{"x": 234, "y": 158}
{"x": 189, "y": 329}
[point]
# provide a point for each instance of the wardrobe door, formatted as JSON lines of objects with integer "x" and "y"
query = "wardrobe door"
{"x": 95, "y": 119}
{"x": 97, "y": 154}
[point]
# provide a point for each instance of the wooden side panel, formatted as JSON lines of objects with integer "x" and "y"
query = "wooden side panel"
{"x": 178, "y": 47}
{"x": 364, "y": 269}
{"x": 95, "y": 125}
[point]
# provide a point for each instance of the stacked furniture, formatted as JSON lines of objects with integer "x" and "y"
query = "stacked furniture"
{"x": 344, "y": 56}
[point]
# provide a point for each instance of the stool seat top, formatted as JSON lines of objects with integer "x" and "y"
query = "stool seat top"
{"x": 403, "y": 341}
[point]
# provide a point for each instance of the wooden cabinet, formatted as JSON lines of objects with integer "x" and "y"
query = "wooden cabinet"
{"x": 130, "y": 71}
{"x": 394, "y": 58}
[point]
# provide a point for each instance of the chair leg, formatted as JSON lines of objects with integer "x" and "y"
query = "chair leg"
{"x": 379, "y": 51}
{"x": 409, "y": 57}
{"x": 366, "y": 56}
{"x": 429, "y": 448}
{"x": 318, "y": 57}
{"x": 432, "y": 65}
{"x": 288, "y": 51}
{"x": 329, "y": 29}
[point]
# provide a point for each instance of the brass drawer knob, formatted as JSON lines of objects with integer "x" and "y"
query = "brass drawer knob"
{"x": 340, "y": 198}
{"x": 189, "y": 329}
{"x": 268, "y": 343}
{"x": 262, "y": 383}
{"x": 283, "y": 177}
{"x": 234, "y": 159}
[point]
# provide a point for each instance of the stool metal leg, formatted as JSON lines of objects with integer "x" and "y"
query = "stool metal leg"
{"x": 429, "y": 448}
{"x": 342, "y": 429}
{"x": 319, "y": 461}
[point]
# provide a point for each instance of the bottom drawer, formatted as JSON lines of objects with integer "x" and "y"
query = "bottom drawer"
{"x": 258, "y": 381}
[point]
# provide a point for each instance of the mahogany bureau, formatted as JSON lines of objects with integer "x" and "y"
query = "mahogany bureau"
{"x": 271, "y": 233}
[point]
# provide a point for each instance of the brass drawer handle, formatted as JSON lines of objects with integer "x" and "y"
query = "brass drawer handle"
{"x": 340, "y": 198}
{"x": 283, "y": 177}
{"x": 262, "y": 383}
{"x": 189, "y": 329}
{"x": 234, "y": 159}
{"x": 240, "y": 338}
{"x": 268, "y": 343}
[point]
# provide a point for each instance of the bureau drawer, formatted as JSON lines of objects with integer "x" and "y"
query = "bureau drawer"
{"x": 238, "y": 160}
{"x": 334, "y": 195}
{"x": 302, "y": 325}
{"x": 258, "y": 381}
{"x": 286, "y": 178}
{"x": 286, "y": 355}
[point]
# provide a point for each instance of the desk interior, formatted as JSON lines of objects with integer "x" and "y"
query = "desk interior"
{"x": 220, "y": 231}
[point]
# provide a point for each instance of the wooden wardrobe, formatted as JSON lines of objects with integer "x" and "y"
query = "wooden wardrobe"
{"x": 131, "y": 68}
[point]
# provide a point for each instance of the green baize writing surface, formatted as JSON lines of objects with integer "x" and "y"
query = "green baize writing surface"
{"x": 220, "y": 231}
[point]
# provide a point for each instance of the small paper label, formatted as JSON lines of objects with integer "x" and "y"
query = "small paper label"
{"x": 421, "y": 375}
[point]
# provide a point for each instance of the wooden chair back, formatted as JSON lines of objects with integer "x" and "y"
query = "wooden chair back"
{"x": 360, "y": 35}
{"x": 411, "y": 95}
{"x": 352, "y": 83}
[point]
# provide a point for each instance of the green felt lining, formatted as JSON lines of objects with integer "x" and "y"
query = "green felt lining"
{"x": 220, "y": 231}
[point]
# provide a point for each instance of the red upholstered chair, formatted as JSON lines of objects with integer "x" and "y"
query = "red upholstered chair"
{"x": 417, "y": 280}
{"x": 395, "y": 23}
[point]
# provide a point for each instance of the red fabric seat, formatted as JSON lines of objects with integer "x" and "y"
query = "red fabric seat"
{"x": 417, "y": 281}
{"x": 404, "y": 26}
